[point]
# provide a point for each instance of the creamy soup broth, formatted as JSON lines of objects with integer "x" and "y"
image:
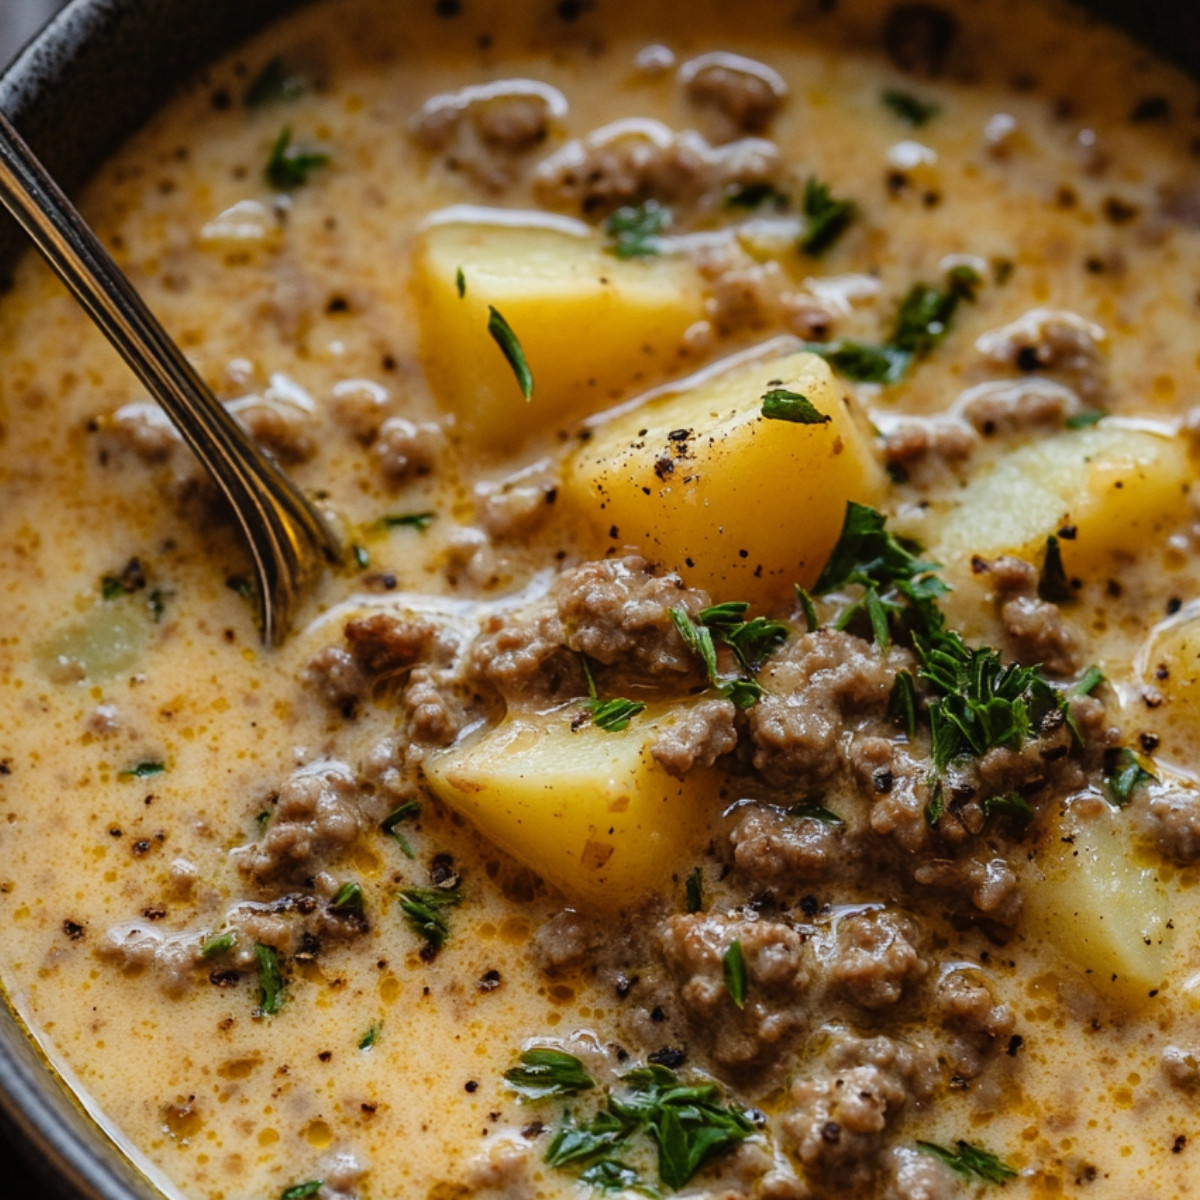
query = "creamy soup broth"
{"x": 147, "y": 731}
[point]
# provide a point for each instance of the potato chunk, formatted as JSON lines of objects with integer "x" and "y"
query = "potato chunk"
{"x": 587, "y": 809}
{"x": 1105, "y": 912}
{"x": 1113, "y": 487}
{"x": 1170, "y": 665}
{"x": 702, "y": 483}
{"x": 592, "y": 326}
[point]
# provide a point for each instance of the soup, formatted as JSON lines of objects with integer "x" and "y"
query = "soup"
{"x": 749, "y": 748}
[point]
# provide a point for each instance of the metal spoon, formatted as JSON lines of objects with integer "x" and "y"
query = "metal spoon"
{"x": 289, "y": 540}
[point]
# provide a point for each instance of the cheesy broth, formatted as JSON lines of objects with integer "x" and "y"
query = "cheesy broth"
{"x": 1025, "y": 158}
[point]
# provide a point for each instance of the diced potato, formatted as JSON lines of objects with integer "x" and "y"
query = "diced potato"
{"x": 587, "y": 809}
{"x": 700, "y": 482}
{"x": 1116, "y": 487}
{"x": 592, "y": 326}
{"x": 1107, "y": 913}
{"x": 1171, "y": 666}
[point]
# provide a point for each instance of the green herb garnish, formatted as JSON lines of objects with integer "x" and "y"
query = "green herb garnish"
{"x": 733, "y": 968}
{"x": 143, "y": 770}
{"x": 460, "y": 283}
{"x": 1089, "y": 681}
{"x": 270, "y": 981}
{"x": 510, "y": 347}
{"x": 348, "y": 901}
{"x": 864, "y": 364}
{"x": 828, "y": 218}
{"x": 368, "y": 1039}
{"x": 420, "y": 521}
{"x": 635, "y": 229}
{"x": 289, "y": 166}
{"x": 972, "y": 1162}
{"x": 302, "y": 1191}
{"x": 902, "y": 703}
{"x": 1013, "y": 805}
{"x": 215, "y": 946}
{"x": 425, "y": 911}
{"x": 808, "y": 608}
{"x": 391, "y": 822}
{"x": 815, "y": 811}
{"x": 362, "y": 556}
{"x": 544, "y": 1072}
{"x": 1085, "y": 420}
{"x": 1127, "y": 772}
{"x": 698, "y": 639}
{"x": 779, "y": 404}
{"x": 924, "y": 318}
{"x": 908, "y": 107}
{"x": 614, "y": 715}
{"x": 274, "y": 84}
{"x": 755, "y": 195}
{"x": 693, "y": 891}
{"x": 610, "y": 1175}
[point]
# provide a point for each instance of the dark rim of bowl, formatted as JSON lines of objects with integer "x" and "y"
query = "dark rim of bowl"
{"x": 93, "y": 75}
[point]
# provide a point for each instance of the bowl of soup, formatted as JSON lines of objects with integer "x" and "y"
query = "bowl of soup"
{"x": 749, "y": 748}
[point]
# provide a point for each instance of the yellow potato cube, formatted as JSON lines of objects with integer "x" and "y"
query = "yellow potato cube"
{"x": 589, "y": 810}
{"x": 702, "y": 483}
{"x": 1105, "y": 912}
{"x": 592, "y": 326}
{"x": 1170, "y": 665}
{"x": 1114, "y": 487}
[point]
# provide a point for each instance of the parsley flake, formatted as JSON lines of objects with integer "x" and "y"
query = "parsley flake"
{"x": 909, "y": 108}
{"x": 510, "y": 347}
{"x": 460, "y": 283}
{"x": 815, "y": 811}
{"x": 779, "y": 404}
{"x": 348, "y": 901}
{"x": 425, "y": 911}
{"x": 733, "y": 968}
{"x": 143, "y": 770}
{"x": 302, "y": 1191}
{"x": 972, "y": 1162}
{"x": 371, "y": 1037}
{"x": 544, "y": 1072}
{"x": 420, "y": 521}
{"x": 290, "y": 166}
{"x": 270, "y": 982}
{"x": 1085, "y": 420}
{"x": 693, "y": 891}
{"x": 614, "y": 715}
{"x": 1125, "y": 772}
{"x": 218, "y": 945}
{"x": 274, "y": 84}
{"x": 635, "y": 229}
{"x": 391, "y": 822}
{"x": 828, "y": 218}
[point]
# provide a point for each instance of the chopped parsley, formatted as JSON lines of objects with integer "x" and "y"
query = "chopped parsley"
{"x": 1085, "y": 420}
{"x": 420, "y": 521}
{"x": 143, "y": 770}
{"x": 811, "y": 621}
{"x": 1013, "y": 805}
{"x": 815, "y": 811}
{"x": 241, "y": 585}
{"x": 274, "y": 84}
{"x": 733, "y": 969}
{"x": 371, "y": 1037}
{"x": 611, "y": 1175}
{"x": 924, "y": 318}
{"x": 828, "y": 218}
{"x": 391, "y": 822}
{"x": 156, "y": 602}
{"x": 290, "y": 166}
{"x": 863, "y": 364}
{"x": 1089, "y": 681}
{"x": 613, "y": 716}
{"x": 779, "y": 404}
{"x": 218, "y": 945}
{"x": 755, "y": 195}
{"x": 909, "y": 108}
{"x": 348, "y": 901}
{"x": 543, "y": 1072}
{"x": 362, "y": 556}
{"x": 635, "y": 229}
{"x": 751, "y": 642}
{"x": 902, "y": 703}
{"x": 1053, "y": 583}
{"x": 510, "y": 347}
{"x": 693, "y": 891}
{"x": 972, "y": 1162}
{"x": 270, "y": 981}
{"x": 686, "y": 1122}
{"x": 302, "y": 1191}
{"x": 425, "y": 911}
{"x": 460, "y": 283}
{"x": 1125, "y": 772}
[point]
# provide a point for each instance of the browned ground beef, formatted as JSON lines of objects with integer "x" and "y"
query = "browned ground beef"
{"x": 1010, "y": 408}
{"x": 746, "y": 94}
{"x": 877, "y": 956}
{"x": 1036, "y": 630}
{"x": 816, "y": 686}
{"x": 1047, "y": 341}
{"x": 837, "y": 1120}
{"x": 702, "y": 735}
{"x": 771, "y": 847}
{"x": 1170, "y": 817}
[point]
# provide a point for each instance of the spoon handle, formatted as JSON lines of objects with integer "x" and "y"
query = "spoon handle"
{"x": 288, "y": 539}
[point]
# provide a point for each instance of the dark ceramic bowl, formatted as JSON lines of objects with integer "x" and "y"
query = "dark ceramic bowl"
{"x": 91, "y": 78}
